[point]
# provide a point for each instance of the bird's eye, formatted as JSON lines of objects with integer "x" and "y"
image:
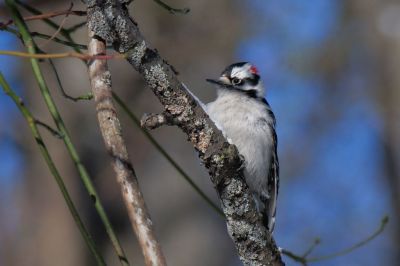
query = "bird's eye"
{"x": 236, "y": 81}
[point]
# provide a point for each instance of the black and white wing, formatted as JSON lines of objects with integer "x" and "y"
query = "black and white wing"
{"x": 273, "y": 187}
{"x": 273, "y": 178}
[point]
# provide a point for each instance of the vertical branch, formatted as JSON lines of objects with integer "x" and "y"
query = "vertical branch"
{"x": 100, "y": 80}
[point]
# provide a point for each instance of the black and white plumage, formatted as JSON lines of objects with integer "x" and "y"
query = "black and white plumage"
{"x": 246, "y": 119}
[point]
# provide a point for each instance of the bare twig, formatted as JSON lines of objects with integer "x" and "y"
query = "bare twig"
{"x": 86, "y": 97}
{"x": 304, "y": 260}
{"x": 76, "y": 27}
{"x": 171, "y": 9}
{"x": 153, "y": 121}
{"x": 62, "y": 55}
{"x": 316, "y": 242}
{"x": 57, "y": 40}
{"x": 100, "y": 80}
{"x": 53, "y": 131}
{"x": 110, "y": 21}
{"x": 47, "y": 15}
{"x": 59, "y": 27}
{"x": 64, "y": 32}
{"x": 381, "y": 228}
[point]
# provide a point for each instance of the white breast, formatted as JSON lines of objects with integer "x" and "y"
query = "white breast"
{"x": 245, "y": 121}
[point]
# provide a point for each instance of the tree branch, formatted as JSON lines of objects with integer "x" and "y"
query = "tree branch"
{"x": 109, "y": 20}
{"x": 153, "y": 121}
{"x": 100, "y": 80}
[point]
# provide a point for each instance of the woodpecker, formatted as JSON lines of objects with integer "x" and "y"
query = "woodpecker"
{"x": 244, "y": 116}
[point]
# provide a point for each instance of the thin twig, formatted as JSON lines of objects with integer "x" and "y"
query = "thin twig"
{"x": 304, "y": 260}
{"x": 171, "y": 9}
{"x": 62, "y": 55}
{"x": 47, "y": 37}
{"x": 57, "y": 40}
{"x": 53, "y": 169}
{"x": 87, "y": 96}
{"x": 316, "y": 242}
{"x": 47, "y": 15}
{"x": 381, "y": 228}
{"x": 59, "y": 27}
{"x": 12, "y": 31}
{"x": 100, "y": 80}
{"x": 56, "y": 14}
{"x": 298, "y": 258}
{"x": 53, "y": 131}
{"x": 86, "y": 179}
{"x": 49, "y": 22}
{"x": 76, "y": 27}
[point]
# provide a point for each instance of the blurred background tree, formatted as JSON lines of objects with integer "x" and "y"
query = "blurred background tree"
{"x": 330, "y": 71}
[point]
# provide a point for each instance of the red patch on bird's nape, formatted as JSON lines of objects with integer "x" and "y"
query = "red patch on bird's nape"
{"x": 254, "y": 70}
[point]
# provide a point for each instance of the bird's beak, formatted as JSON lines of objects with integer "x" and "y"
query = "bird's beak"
{"x": 222, "y": 81}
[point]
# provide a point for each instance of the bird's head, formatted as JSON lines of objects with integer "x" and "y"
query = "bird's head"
{"x": 242, "y": 77}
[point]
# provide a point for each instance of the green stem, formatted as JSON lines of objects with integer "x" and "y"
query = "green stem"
{"x": 53, "y": 169}
{"x": 28, "y": 41}
{"x": 54, "y": 132}
{"x": 136, "y": 121}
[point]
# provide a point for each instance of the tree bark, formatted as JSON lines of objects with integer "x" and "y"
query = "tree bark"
{"x": 100, "y": 80}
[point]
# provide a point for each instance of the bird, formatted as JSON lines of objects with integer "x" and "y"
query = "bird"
{"x": 246, "y": 119}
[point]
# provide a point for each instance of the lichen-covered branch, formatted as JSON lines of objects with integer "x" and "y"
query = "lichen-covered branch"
{"x": 109, "y": 20}
{"x": 153, "y": 121}
{"x": 100, "y": 80}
